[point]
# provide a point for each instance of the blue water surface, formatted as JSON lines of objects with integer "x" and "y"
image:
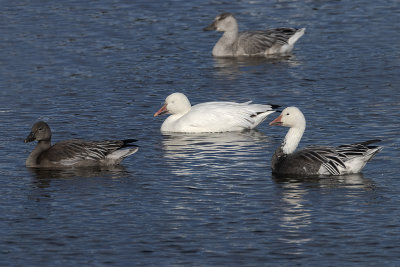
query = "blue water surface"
{"x": 100, "y": 69}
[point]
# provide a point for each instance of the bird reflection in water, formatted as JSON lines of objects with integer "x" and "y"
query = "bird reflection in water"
{"x": 65, "y": 180}
{"x": 218, "y": 152}
{"x": 356, "y": 180}
{"x": 295, "y": 216}
{"x": 44, "y": 176}
{"x": 296, "y": 208}
{"x": 230, "y": 67}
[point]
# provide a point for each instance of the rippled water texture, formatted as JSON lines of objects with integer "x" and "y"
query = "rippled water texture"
{"x": 100, "y": 69}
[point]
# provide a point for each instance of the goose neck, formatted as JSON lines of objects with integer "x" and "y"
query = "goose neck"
{"x": 292, "y": 140}
{"x": 230, "y": 36}
{"x": 39, "y": 149}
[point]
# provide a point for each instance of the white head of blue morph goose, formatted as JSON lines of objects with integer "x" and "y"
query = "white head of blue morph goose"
{"x": 316, "y": 160}
{"x": 75, "y": 153}
{"x": 251, "y": 43}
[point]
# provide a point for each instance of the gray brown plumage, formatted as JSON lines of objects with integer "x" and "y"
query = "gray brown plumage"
{"x": 75, "y": 152}
{"x": 251, "y": 43}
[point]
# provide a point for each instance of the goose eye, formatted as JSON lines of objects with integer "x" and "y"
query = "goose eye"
{"x": 287, "y": 114}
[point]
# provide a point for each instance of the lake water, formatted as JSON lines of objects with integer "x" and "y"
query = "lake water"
{"x": 100, "y": 69}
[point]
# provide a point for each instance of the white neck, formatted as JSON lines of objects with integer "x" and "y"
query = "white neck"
{"x": 292, "y": 140}
{"x": 170, "y": 123}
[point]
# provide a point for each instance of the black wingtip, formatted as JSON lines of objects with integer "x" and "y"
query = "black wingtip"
{"x": 127, "y": 142}
{"x": 273, "y": 106}
{"x": 370, "y": 142}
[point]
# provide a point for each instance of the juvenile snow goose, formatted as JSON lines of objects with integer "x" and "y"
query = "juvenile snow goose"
{"x": 75, "y": 152}
{"x": 211, "y": 116}
{"x": 251, "y": 43}
{"x": 316, "y": 160}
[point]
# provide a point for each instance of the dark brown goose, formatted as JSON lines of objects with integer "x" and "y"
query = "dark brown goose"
{"x": 75, "y": 152}
{"x": 316, "y": 160}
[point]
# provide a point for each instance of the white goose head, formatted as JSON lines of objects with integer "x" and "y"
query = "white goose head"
{"x": 176, "y": 103}
{"x": 291, "y": 117}
{"x": 224, "y": 22}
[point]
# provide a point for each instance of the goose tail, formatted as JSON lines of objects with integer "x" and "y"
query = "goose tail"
{"x": 293, "y": 39}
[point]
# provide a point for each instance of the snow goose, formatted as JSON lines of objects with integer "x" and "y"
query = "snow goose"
{"x": 251, "y": 43}
{"x": 75, "y": 152}
{"x": 316, "y": 160}
{"x": 211, "y": 116}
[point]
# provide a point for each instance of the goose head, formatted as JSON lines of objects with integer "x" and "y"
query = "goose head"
{"x": 224, "y": 22}
{"x": 293, "y": 118}
{"x": 176, "y": 103}
{"x": 290, "y": 117}
{"x": 40, "y": 132}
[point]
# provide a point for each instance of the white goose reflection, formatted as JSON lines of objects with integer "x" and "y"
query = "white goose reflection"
{"x": 295, "y": 215}
{"x": 230, "y": 67}
{"x": 189, "y": 153}
{"x": 295, "y": 208}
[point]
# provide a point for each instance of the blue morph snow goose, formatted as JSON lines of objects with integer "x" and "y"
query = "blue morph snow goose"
{"x": 75, "y": 152}
{"x": 211, "y": 116}
{"x": 316, "y": 160}
{"x": 251, "y": 43}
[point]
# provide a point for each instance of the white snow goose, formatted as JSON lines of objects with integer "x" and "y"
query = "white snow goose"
{"x": 316, "y": 160}
{"x": 75, "y": 152}
{"x": 211, "y": 116}
{"x": 251, "y": 43}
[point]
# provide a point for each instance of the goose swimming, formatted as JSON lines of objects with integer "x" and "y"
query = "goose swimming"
{"x": 316, "y": 160}
{"x": 211, "y": 116}
{"x": 251, "y": 43}
{"x": 75, "y": 152}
